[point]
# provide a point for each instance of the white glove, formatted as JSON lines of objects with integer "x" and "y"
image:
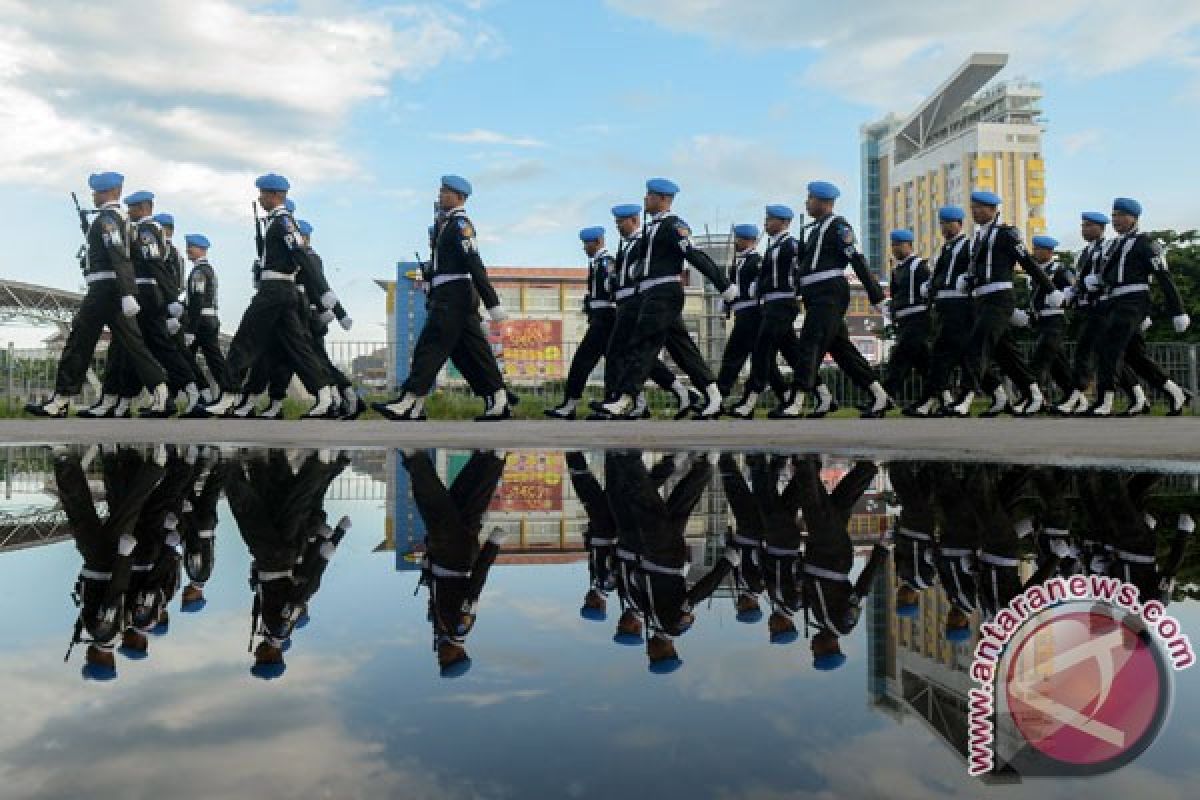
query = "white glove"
{"x": 129, "y": 306}
{"x": 189, "y": 339}
{"x": 329, "y": 299}
{"x": 1019, "y": 318}
{"x": 173, "y": 326}
{"x": 732, "y": 555}
{"x": 1181, "y": 322}
{"x": 1146, "y": 323}
{"x": 1068, "y": 295}
{"x": 1054, "y": 299}
{"x": 1186, "y": 523}
{"x": 925, "y": 290}
{"x": 1092, "y": 282}
{"x": 960, "y": 285}
{"x": 126, "y": 544}
{"x": 497, "y": 313}
{"x": 326, "y": 317}
{"x": 730, "y": 294}
{"x": 175, "y": 309}
{"x": 346, "y": 322}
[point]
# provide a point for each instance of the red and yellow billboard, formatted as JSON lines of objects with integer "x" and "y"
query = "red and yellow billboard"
{"x": 531, "y": 349}
{"x": 532, "y": 481}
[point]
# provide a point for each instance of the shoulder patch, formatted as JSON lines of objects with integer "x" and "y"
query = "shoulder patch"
{"x": 287, "y": 223}
{"x": 1156, "y": 247}
{"x": 464, "y": 225}
{"x": 846, "y": 233}
{"x": 682, "y": 229}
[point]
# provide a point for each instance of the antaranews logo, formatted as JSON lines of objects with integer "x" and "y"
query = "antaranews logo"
{"x": 1074, "y": 677}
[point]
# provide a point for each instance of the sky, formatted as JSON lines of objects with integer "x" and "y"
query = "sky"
{"x": 554, "y": 110}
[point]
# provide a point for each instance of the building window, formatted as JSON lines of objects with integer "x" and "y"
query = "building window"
{"x": 542, "y": 298}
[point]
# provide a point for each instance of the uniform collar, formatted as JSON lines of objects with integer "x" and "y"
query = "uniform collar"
{"x": 113, "y": 206}
{"x": 1049, "y": 265}
{"x": 779, "y": 237}
{"x": 661, "y": 215}
{"x": 457, "y": 211}
{"x": 745, "y": 252}
{"x": 277, "y": 211}
{"x": 202, "y": 261}
{"x": 954, "y": 240}
{"x": 601, "y": 253}
{"x": 907, "y": 260}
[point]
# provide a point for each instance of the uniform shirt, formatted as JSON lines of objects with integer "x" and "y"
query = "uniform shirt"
{"x": 456, "y": 257}
{"x": 201, "y": 293}
{"x": 777, "y": 279}
{"x": 175, "y": 266}
{"x": 150, "y": 256}
{"x": 1060, "y": 277}
{"x": 996, "y": 249}
{"x": 1132, "y": 261}
{"x": 913, "y": 552}
{"x": 623, "y": 277}
{"x": 599, "y": 295}
{"x": 1091, "y": 261}
{"x": 283, "y": 248}
{"x": 828, "y": 250}
{"x": 953, "y": 261}
{"x": 109, "y": 239}
{"x": 744, "y": 274}
{"x": 668, "y": 246}
{"x": 905, "y": 287}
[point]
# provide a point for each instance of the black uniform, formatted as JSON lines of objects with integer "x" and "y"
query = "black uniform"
{"x": 458, "y": 280}
{"x": 747, "y": 319}
{"x": 202, "y": 321}
{"x": 601, "y": 309}
{"x": 175, "y": 261}
{"x": 783, "y": 533}
{"x": 996, "y": 249}
{"x": 750, "y": 525}
{"x": 954, "y": 311}
{"x": 600, "y": 535}
{"x": 958, "y": 542}
{"x": 667, "y": 244}
{"x": 910, "y": 315}
{"x": 623, "y": 283}
{"x": 1050, "y": 325}
{"x": 110, "y": 276}
{"x": 828, "y": 250}
{"x": 199, "y": 523}
{"x": 913, "y": 543}
{"x": 777, "y": 311}
{"x": 272, "y": 320}
{"x": 158, "y": 553}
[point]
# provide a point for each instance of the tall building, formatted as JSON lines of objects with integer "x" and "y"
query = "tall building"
{"x": 962, "y": 137}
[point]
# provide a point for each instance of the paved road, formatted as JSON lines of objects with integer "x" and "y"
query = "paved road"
{"x": 1147, "y": 440}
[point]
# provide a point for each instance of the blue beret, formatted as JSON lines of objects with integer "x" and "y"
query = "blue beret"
{"x": 780, "y": 212}
{"x": 626, "y": 210}
{"x": 749, "y": 617}
{"x": 1128, "y": 205}
{"x": 957, "y": 635}
{"x": 1097, "y": 217}
{"x": 133, "y": 653}
{"x": 745, "y": 231}
{"x": 104, "y": 181}
{"x": 193, "y": 606}
{"x": 461, "y": 667}
{"x": 951, "y": 214}
{"x": 269, "y": 671}
{"x": 592, "y": 234}
{"x": 457, "y": 183}
{"x": 139, "y": 197}
{"x": 165, "y": 219}
{"x": 665, "y": 666}
{"x": 627, "y": 639}
{"x": 824, "y": 190}
{"x": 272, "y": 183}
{"x": 662, "y": 186}
{"x": 985, "y": 198}
{"x": 593, "y": 614}
{"x": 907, "y": 611}
{"x": 1048, "y": 242}
{"x": 829, "y": 661}
{"x": 304, "y": 226}
{"x": 901, "y": 235}
{"x": 785, "y": 637}
{"x": 98, "y": 672}
{"x": 290, "y": 205}
{"x": 197, "y": 240}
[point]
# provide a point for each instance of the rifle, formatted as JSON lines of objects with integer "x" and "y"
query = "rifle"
{"x": 259, "y": 245}
{"x": 81, "y": 255}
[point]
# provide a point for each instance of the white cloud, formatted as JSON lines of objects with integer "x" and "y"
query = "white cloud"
{"x": 482, "y": 136}
{"x": 1081, "y": 141}
{"x": 199, "y": 96}
{"x": 741, "y": 163}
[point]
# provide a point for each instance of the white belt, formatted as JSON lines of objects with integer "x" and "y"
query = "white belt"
{"x": 996, "y": 286}
{"x": 828, "y": 574}
{"x": 1050, "y": 312}
{"x": 594, "y": 304}
{"x": 771, "y": 297}
{"x": 650, "y": 283}
{"x": 145, "y": 281}
{"x": 627, "y": 292}
{"x": 208, "y": 312}
{"x": 1135, "y": 558}
{"x": 824, "y": 275}
{"x": 743, "y": 304}
{"x": 908, "y": 312}
{"x": 94, "y": 277}
{"x": 649, "y": 566}
{"x": 782, "y": 552}
{"x": 955, "y": 552}
{"x": 441, "y": 280}
{"x": 946, "y": 294}
{"x": 444, "y": 572}
{"x": 93, "y": 575}
{"x": 998, "y": 561}
{"x": 911, "y": 534}
{"x": 272, "y": 275}
{"x": 1130, "y": 289}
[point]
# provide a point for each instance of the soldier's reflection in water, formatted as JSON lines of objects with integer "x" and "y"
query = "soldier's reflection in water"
{"x": 653, "y": 558}
{"x": 777, "y": 489}
{"x": 198, "y": 527}
{"x": 107, "y": 546}
{"x": 455, "y": 566}
{"x": 745, "y": 535}
{"x": 277, "y": 502}
{"x": 599, "y": 537}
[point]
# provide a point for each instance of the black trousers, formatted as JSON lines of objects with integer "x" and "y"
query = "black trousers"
{"x": 102, "y": 306}
{"x": 739, "y": 347}
{"x": 122, "y": 378}
{"x": 591, "y": 349}
{"x": 453, "y": 331}
{"x": 910, "y": 353}
{"x": 660, "y": 324}
{"x": 776, "y": 337}
{"x": 991, "y": 340}
{"x": 272, "y": 321}
{"x": 207, "y": 342}
{"x": 1049, "y": 355}
{"x": 955, "y": 318}
{"x": 616, "y": 356}
{"x": 1122, "y": 343}
{"x": 1087, "y": 352}
{"x": 275, "y": 374}
{"x": 824, "y": 331}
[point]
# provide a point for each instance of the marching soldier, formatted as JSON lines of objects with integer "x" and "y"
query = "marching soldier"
{"x": 667, "y": 243}
{"x": 272, "y": 319}
{"x": 909, "y": 311}
{"x": 599, "y": 537}
{"x": 746, "y": 536}
{"x": 458, "y": 280}
{"x": 829, "y": 249}
{"x": 777, "y": 313}
{"x": 203, "y": 334}
{"x": 996, "y": 249}
{"x": 194, "y": 395}
{"x": 957, "y": 547}
{"x": 601, "y": 310}
{"x": 782, "y": 538}
{"x": 110, "y": 300}
{"x": 913, "y": 544}
{"x": 198, "y": 527}
{"x": 1133, "y": 259}
{"x": 955, "y": 314}
{"x": 1049, "y": 323}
